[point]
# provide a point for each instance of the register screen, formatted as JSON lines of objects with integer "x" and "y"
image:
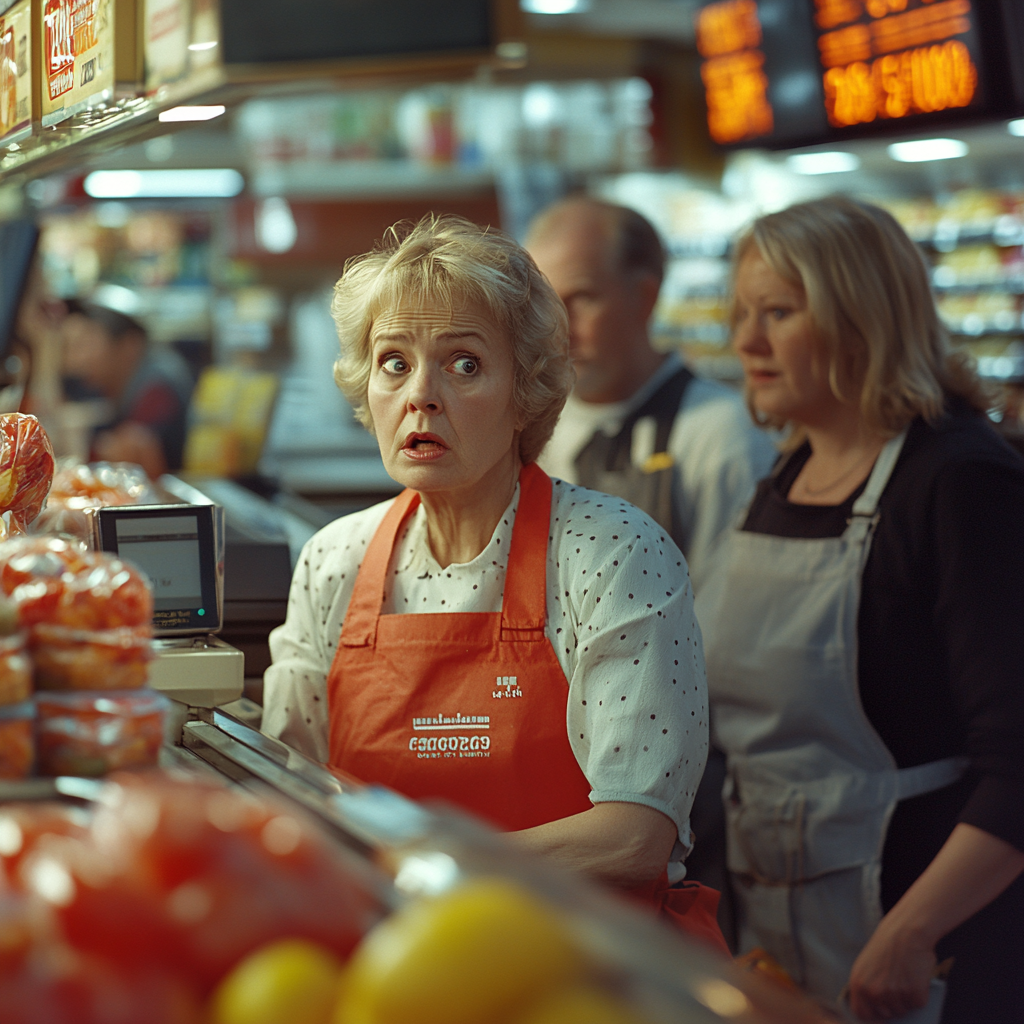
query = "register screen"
{"x": 166, "y": 548}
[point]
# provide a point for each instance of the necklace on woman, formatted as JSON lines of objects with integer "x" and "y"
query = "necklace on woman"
{"x": 845, "y": 475}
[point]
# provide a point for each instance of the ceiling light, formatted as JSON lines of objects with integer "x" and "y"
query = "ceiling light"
{"x": 554, "y": 6}
{"x": 833, "y": 162}
{"x": 198, "y": 47}
{"x": 191, "y": 113}
{"x": 215, "y": 182}
{"x": 927, "y": 149}
{"x": 1016, "y": 127}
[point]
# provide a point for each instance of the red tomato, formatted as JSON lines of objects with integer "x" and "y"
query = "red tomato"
{"x": 204, "y": 875}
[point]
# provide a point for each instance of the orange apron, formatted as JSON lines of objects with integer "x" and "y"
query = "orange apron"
{"x": 471, "y": 707}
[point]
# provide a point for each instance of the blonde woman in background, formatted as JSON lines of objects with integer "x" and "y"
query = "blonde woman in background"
{"x": 864, "y": 634}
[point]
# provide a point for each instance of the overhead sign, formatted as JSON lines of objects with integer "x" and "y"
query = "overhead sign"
{"x": 790, "y": 72}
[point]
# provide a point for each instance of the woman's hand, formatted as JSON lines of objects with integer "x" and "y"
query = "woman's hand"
{"x": 891, "y": 976}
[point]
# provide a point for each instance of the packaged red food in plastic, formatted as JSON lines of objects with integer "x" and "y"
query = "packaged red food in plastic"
{"x": 26, "y": 468}
{"x": 78, "y": 659}
{"x": 98, "y": 485}
{"x": 17, "y": 746}
{"x": 59, "y": 582}
{"x": 15, "y": 670}
{"x": 189, "y": 877}
{"x": 92, "y": 734}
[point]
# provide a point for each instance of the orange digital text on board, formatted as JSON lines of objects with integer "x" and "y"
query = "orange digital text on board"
{"x": 735, "y": 83}
{"x": 896, "y": 63}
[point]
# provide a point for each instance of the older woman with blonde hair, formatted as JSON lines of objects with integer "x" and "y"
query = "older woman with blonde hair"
{"x": 865, "y": 634}
{"x": 520, "y": 647}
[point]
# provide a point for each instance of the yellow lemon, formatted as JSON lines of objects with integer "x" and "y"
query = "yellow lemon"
{"x": 584, "y": 1004}
{"x": 287, "y": 982}
{"x": 471, "y": 956}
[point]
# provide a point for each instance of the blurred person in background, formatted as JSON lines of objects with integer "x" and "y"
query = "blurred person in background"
{"x": 639, "y": 424}
{"x": 107, "y": 354}
{"x": 863, "y": 633}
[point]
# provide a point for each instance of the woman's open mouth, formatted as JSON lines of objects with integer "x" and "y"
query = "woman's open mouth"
{"x": 424, "y": 447}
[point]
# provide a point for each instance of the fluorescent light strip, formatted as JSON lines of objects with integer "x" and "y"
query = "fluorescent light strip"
{"x": 213, "y": 183}
{"x": 921, "y": 150}
{"x": 832, "y": 162}
{"x": 192, "y": 113}
{"x": 554, "y": 6}
{"x": 199, "y": 47}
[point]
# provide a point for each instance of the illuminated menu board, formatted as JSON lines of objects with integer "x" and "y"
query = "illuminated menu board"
{"x": 791, "y": 72}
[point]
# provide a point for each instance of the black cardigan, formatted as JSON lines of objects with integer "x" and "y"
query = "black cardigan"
{"x": 940, "y": 624}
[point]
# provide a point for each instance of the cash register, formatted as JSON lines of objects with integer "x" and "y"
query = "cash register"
{"x": 181, "y": 550}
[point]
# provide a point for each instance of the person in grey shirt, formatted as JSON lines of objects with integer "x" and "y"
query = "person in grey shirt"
{"x": 639, "y": 424}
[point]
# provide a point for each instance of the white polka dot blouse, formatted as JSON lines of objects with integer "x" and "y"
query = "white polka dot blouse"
{"x": 619, "y": 616}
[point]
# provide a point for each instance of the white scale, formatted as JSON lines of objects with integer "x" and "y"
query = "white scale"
{"x": 181, "y": 550}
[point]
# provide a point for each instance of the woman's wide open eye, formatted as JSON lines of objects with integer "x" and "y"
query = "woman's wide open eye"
{"x": 465, "y": 365}
{"x": 394, "y": 364}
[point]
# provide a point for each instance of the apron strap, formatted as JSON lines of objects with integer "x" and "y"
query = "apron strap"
{"x": 867, "y": 504}
{"x": 927, "y": 778}
{"x": 360, "y": 626}
{"x": 524, "y": 609}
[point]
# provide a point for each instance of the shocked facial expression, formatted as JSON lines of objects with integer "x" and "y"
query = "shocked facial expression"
{"x": 440, "y": 396}
{"x": 785, "y": 361}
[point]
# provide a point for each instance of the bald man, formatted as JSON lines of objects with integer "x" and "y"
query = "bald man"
{"x": 639, "y": 424}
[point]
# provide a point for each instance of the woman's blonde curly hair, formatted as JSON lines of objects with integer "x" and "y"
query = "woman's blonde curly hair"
{"x": 452, "y": 262}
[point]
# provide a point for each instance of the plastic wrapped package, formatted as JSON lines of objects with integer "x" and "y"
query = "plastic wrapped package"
{"x": 100, "y": 484}
{"x": 26, "y": 468}
{"x": 59, "y": 582}
{"x": 15, "y": 670}
{"x": 179, "y": 881}
{"x": 17, "y": 747}
{"x": 78, "y": 659}
{"x": 92, "y": 734}
{"x": 78, "y": 487}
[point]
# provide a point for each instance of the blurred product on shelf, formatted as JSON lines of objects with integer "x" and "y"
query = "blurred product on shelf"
{"x": 26, "y": 471}
{"x": 94, "y": 52}
{"x": 15, "y": 670}
{"x": 56, "y": 582}
{"x": 87, "y": 660}
{"x": 205, "y": 875}
{"x": 180, "y": 38}
{"x": 179, "y": 901}
{"x": 19, "y": 65}
{"x": 390, "y": 140}
{"x": 93, "y": 734}
{"x": 231, "y": 411}
{"x": 77, "y": 488}
{"x": 108, "y": 355}
{"x": 17, "y": 740}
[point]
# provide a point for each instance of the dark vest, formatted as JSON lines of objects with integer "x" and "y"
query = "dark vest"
{"x": 604, "y": 462}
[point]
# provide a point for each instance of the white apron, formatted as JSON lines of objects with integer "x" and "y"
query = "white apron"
{"x": 810, "y": 787}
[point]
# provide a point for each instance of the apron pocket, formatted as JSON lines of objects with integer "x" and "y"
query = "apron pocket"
{"x": 781, "y": 832}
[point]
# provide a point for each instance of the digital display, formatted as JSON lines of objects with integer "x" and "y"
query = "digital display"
{"x": 167, "y": 549}
{"x": 174, "y": 547}
{"x": 795, "y": 72}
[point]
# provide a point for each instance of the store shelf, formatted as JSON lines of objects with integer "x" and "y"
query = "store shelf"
{"x": 370, "y": 178}
{"x": 948, "y": 235}
{"x": 128, "y": 120}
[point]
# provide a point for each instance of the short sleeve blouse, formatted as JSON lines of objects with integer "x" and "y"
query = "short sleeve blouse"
{"x": 619, "y": 616}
